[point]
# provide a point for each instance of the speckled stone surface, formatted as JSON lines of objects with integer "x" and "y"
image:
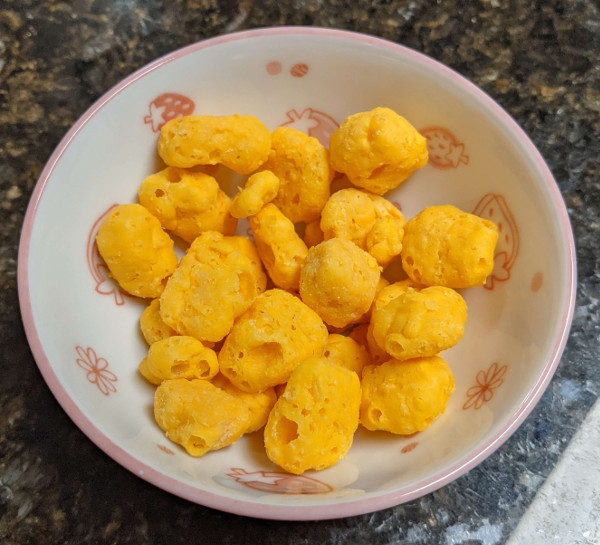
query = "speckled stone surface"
{"x": 539, "y": 60}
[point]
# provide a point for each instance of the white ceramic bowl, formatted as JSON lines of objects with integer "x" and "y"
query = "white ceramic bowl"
{"x": 84, "y": 332}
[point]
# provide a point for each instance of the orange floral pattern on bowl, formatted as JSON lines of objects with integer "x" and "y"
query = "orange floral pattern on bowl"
{"x": 96, "y": 370}
{"x": 486, "y": 383}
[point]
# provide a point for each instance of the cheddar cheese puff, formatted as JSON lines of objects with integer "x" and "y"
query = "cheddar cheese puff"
{"x": 259, "y": 404}
{"x": 346, "y": 352}
{"x": 312, "y": 424}
{"x": 420, "y": 323}
{"x": 152, "y": 325}
{"x": 370, "y": 221}
{"x": 444, "y": 246}
{"x": 281, "y": 249}
{"x": 187, "y": 203}
{"x": 260, "y": 189}
{"x": 377, "y": 149}
{"x": 199, "y": 416}
{"x": 178, "y": 357}
{"x": 214, "y": 283}
{"x": 265, "y": 344}
{"x": 338, "y": 280}
{"x": 302, "y": 165}
{"x": 138, "y": 253}
{"x": 404, "y": 397}
{"x": 239, "y": 142}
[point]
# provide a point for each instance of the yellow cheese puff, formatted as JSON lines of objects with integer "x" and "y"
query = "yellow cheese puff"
{"x": 346, "y": 352}
{"x": 178, "y": 357}
{"x": 239, "y": 142}
{"x": 444, "y": 246}
{"x": 138, "y": 253}
{"x": 152, "y": 325}
{"x": 377, "y": 149}
{"x": 338, "y": 281}
{"x": 266, "y": 342}
{"x": 199, "y": 416}
{"x": 313, "y": 234}
{"x": 281, "y": 249}
{"x": 260, "y": 189}
{"x": 312, "y": 424}
{"x": 187, "y": 203}
{"x": 420, "y": 323}
{"x": 404, "y": 397}
{"x": 302, "y": 165}
{"x": 259, "y": 404}
{"x": 216, "y": 281}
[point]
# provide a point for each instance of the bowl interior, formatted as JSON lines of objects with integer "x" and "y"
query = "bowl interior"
{"x": 84, "y": 331}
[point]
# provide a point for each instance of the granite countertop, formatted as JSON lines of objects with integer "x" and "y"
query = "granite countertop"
{"x": 539, "y": 60}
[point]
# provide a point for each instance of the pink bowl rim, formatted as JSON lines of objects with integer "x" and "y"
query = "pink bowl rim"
{"x": 343, "y": 508}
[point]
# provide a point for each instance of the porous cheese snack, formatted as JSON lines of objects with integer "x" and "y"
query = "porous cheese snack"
{"x": 302, "y": 165}
{"x": 404, "y": 397}
{"x": 419, "y": 323}
{"x": 239, "y": 142}
{"x": 259, "y": 404}
{"x": 260, "y": 189}
{"x": 215, "y": 282}
{"x": 187, "y": 203}
{"x": 178, "y": 357}
{"x": 151, "y": 324}
{"x": 377, "y": 149}
{"x": 338, "y": 280}
{"x": 281, "y": 249}
{"x": 199, "y": 416}
{"x": 444, "y": 246}
{"x": 370, "y": 221}
{"x": 346, "y": 352}
{"x": 275, "y": 334}
{"x": 313, "y": 422}
{"x": 138, "y": 253}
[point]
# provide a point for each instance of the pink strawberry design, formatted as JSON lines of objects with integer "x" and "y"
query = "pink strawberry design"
{"x": 445, "y": 150}
{"x": 278, "y": 483}
{"x": 166, "y": 107}
{"x": 317, "y": 124}
{"x": 494, "y": 208}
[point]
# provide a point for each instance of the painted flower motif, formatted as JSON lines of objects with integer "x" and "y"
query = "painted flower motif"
{"x": 96, "y": 370}
{"x": 487, "y": 382}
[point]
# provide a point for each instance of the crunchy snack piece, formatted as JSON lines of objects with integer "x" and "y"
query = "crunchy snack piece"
{"x": 313, "y": 234}
{"x": 187, "y": 203}
{"x": 199, "y": 416}
{"x": 281, "y": 249}
{"x": 419, "y": 323}
{"x": 382, "y": 284}
{"x": 302, "y": 165}
{"x": 214, "y": 283}
{"x": 260, "y": 189}
{"x": 138, "y": 253}
{"x": 338, "y": 281}
{"x": 152, "y": 325}
{"x": 377, "y": 149}
{"x": 312, "y": 424}
{"x": 178, "y": 357}
{"x": 370, "y": 221}
{"x": 404, "y": 397}
{"x": 276, "y": 333}
{"x": 239, "y": 142}
{"x": 346, "y": 352}
{"x": 444, "y": 246}
{"x": 259, "y": 404}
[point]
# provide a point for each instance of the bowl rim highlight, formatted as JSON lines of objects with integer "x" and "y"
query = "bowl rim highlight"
{"x": 341, "y": 508}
